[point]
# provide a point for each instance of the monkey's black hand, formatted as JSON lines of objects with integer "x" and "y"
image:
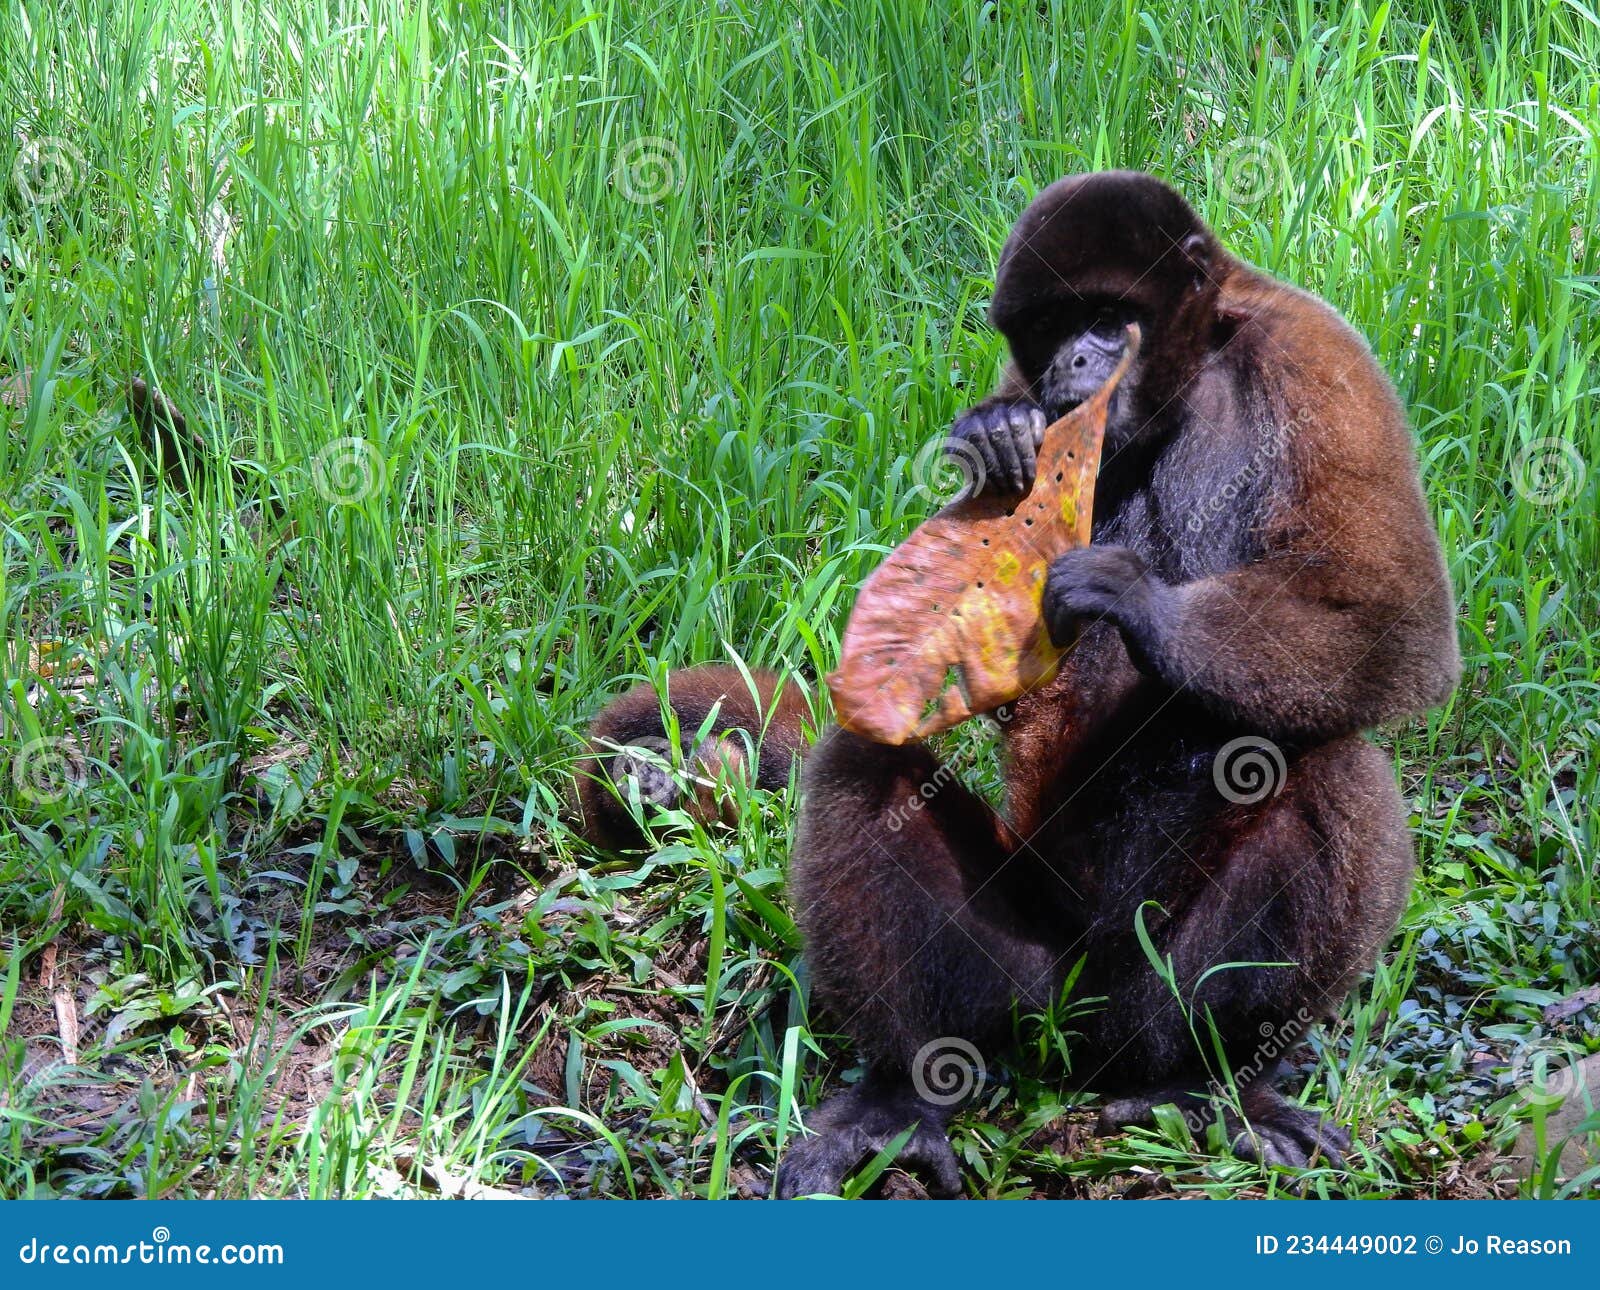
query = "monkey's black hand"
{"x": 997, "y": 444}
{"x": 1110, "y": 582}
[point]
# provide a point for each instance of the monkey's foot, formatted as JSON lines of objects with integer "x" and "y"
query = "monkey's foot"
{"x": 852, "y": 1127}
{"x": 1273, "y": 1131}
{"x": 1280, "y": 1132}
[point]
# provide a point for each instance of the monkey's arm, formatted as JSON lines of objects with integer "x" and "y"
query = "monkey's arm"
{"x": 1011, "y": 388}
{"x": 1303, "y": 646}
{"x": 1297, "y": 646}
{"x": 1344, "y": 623}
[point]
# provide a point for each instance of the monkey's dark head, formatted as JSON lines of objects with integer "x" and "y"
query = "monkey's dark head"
{"x": 1090, "y": 255}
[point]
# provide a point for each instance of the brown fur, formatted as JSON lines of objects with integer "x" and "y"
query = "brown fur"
{"x": 1263, "y": 567}
{"x": 774, "y": 720}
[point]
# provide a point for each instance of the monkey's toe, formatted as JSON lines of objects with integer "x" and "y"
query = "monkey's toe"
{"x": 1273, "y": 1132}
{"x": 815, "y": 1167}
{"x": 819, "y": 1165}
{"x": 1281, "y": 1133}
{"x": 853, "y": 1127}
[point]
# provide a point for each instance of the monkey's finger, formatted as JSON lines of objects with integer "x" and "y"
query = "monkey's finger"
{"x": 1022, "y": 441}
{"x": 1003, "y": 450}
{"x": 1024, "y": 444}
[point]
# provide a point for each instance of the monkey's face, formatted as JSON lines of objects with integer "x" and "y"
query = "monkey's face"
{"x": 1068, "y": 351}
{"x": 1092, "y": 254}
{"x": 1080, "y": 356}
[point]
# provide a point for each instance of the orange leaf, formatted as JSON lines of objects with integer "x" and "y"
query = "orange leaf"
{"x": 949, "y": 625}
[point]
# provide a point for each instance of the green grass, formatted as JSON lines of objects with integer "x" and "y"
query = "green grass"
{"x": 287, "y": 748}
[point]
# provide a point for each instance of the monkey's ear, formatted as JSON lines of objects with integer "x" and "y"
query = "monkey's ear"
{"x": 1196, "y": 250}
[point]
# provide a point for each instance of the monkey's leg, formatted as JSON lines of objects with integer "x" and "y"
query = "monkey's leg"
{"x": 1277, "y": 928}
{"x": 906, "y": 898}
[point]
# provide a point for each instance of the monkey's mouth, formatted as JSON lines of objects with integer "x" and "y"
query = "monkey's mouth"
{"x": 1056, "y": 406}
{"x": 1057, "y": 403}
{"x": 1062, "y": 391}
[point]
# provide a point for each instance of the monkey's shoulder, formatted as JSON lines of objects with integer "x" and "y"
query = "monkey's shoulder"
{"x": 1319, "y": 372}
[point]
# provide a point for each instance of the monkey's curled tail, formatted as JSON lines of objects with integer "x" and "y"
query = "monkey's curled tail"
{"x": 628, "y": 742}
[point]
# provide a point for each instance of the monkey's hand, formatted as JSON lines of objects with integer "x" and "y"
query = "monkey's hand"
{"x": 996, "y": 444}
{"x": 1105, "y": 582}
